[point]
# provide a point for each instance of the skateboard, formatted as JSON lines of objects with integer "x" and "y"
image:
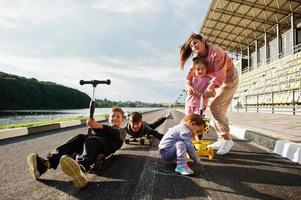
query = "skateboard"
{"x": 139, "y": 140}
{"x": 202, "y": 148}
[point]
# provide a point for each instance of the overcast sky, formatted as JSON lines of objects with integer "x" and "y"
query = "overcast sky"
{"x": 135, "y": 43}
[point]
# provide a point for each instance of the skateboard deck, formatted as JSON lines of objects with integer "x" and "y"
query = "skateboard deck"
{"x": 202, "y": 148}
{"x": 144, "y": 140}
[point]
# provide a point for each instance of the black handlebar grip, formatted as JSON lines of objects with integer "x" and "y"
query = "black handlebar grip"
{"x": 95, "y": 82}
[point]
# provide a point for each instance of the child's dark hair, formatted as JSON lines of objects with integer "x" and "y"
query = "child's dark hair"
{"x": 118, "y": 109}
{"x": 198, "y": 119}
{"x": 185, "y": 49}
{"x": 199, "y": 61}
{"x": 136, "y": 117}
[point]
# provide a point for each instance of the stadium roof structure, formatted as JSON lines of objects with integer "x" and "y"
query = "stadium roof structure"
{"x": 236, "y": 24}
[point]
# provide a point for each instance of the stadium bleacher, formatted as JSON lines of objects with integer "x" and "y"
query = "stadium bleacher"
{"x": 264, "y": 37}
{"x": 277, "y": 85}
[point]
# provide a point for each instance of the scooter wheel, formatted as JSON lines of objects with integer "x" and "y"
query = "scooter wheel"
{"x": 142, "y": 141}
{"x": 99, "y": 162}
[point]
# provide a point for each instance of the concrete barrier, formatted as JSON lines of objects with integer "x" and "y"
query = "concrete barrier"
{"x": 289, "y": 150}
{"x": 83, "y": 121}
{"x": 43, "y": 128}
{"x": 15, "y": 132}
{"x": 260, "y": 139}
{"x": 70, "y": 123}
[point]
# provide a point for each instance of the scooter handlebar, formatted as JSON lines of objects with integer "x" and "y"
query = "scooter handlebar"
{"x": 95, "y": 82}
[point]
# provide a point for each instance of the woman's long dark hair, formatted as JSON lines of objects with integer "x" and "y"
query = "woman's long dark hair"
{"x": 185, "y": 49}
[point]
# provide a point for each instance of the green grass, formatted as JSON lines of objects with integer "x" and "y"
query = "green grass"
{"x": 28, "y": 124}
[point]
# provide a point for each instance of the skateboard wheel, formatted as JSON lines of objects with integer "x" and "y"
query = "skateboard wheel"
{"x": 142, "y": 141}
{"x": 210, "y": 153}
{"x": 127, "y": 141}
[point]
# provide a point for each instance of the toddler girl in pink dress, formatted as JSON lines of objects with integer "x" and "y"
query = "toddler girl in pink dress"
{"x": 196, "y": 86}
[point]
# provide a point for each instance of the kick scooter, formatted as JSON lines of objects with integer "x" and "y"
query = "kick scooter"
{"x": 101, "y": 159}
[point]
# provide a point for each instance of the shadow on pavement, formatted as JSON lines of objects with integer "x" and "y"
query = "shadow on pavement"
{"x": 254, "y": 174}
{"x": 122, "y": 181}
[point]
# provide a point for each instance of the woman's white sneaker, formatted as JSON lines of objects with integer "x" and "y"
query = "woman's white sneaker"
{"x": 216, "y": 144}
{"x": 225, "y": 147}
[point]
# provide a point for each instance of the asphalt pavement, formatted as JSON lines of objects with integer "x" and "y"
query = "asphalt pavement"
{"x": 136, "y": 172}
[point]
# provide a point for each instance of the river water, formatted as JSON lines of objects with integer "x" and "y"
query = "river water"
{"x": 24, "y": 116}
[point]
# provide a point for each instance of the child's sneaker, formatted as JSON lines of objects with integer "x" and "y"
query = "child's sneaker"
{"x": 183, "y": 169}
{"x": 74, "y": 170}
{"x": 37, "y": 165}
{"x": 169, "y": 116}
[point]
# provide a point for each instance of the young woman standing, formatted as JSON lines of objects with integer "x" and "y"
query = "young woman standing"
{"x": 224, "y": 76}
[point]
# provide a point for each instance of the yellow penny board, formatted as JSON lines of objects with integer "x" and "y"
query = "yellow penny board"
{"x": 202, "y": 148}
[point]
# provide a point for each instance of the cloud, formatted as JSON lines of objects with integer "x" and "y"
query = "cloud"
{"x": 14, "y": 13}
{"x": 133, "y": 42}
{"x": 127, "y": 6}
{"x": 129, "y": 81}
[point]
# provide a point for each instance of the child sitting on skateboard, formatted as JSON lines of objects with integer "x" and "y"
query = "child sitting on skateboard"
{"x": 138, "y": 128}
{"x": 177, "y": 142}
{"x": 105, "y": 140}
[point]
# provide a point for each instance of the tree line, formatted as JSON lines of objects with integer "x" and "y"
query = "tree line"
{"x": 22, "y": 93}
{"x": 104, "y": 103}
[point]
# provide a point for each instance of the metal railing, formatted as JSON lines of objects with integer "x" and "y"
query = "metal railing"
{"x": 280, "y": 102}
{"x": 296, "y": 49}
{"x": 273, "y": 88}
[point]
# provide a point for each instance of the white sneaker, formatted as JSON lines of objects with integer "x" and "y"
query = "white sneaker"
{"x": 169, "y": 116}
{"x": 72, "y": 169}
{"x": 127, "y": 115}
{"x": 225, "y": 147}
{"x": 216, "y": 144}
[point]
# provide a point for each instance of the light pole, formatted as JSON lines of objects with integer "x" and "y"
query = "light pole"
{"x": 182, "y": 94}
